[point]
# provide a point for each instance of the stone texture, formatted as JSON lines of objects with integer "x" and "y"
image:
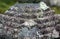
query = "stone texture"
{"x": 26, "y": 21}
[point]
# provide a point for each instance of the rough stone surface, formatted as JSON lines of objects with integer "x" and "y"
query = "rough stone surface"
{"x": 26, "y": 21}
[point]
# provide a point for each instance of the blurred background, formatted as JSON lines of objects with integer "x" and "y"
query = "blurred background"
{"x": 5, "y": 4}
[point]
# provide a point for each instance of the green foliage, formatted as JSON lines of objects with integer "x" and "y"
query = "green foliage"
{"x": 57, "y": 9}
{"x": 5, "y": 4}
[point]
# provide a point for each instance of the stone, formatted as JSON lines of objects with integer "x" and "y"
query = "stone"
{"x": 55, "y": 34}
{"x": 43, "y": 6}
{"x": 29, "y": 21}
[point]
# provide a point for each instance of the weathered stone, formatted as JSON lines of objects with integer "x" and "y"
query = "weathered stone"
{"x": 28, "y": 21}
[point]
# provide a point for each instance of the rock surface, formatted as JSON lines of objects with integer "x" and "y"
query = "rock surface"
{"x": 24, "y": 21}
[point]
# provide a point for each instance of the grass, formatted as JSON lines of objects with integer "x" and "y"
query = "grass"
{"x": 5, "y": 4}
